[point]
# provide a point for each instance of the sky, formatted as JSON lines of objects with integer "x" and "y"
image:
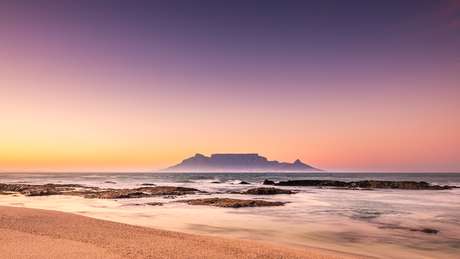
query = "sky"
{"x": 134, "y": 86}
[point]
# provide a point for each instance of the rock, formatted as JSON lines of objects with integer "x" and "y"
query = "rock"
{"x": 168, "y": 190}
{"x": 429, "y": 231}
{"x": 398, "y": 185}
{"x": 243, "y": 182}
{"x": 93, "y": 192}
{"x": 110, "y": 182}
{"x": 262, "y": 191}
{"x": 116, "y": 194}
{"x": 139, "y": 192}
{"x": 133, "y": 193}
{"x": 148, "y": 184}
{"x": 215, "y": 182}
{"x": 231, "y": 203}
{"x": 268, "y": 182}
{"x": 154, "y": 204}
{"x": 364, "y": 184}
{"x": 425, "y": 230}
{"x": 39, "y": 192}
{"x": 312, "y": 183}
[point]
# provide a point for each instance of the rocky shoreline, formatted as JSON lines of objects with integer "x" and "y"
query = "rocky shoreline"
{"x": 94, "y": 192}
{"x": 231, "y": 203}
{"x": 149, "y": 190}
{"x": 166, "y": 191}
{"x": 362, "y": 184}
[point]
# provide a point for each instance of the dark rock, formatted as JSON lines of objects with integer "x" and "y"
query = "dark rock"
{"x": 426, "y": 230}
{"x": 243, "y": 182}
{"x": 39, "y": 192}
{"x": 215, "y": 182}
{"x": 268, "y": 182}
{"x": 148, "y": 184}
{"x": 154, "y": 203}
{"x": 231, "y": 203}
{"x": 46, "y": 189}
{"x": 110, "y": 182}
{"x": 262, "y": 191}
{"x": 398, "y": 185}
{"x": 364, "y": 184}
{"x": 168, "y": 190}
{"x": 139, "y": 192}
{"x": 93, "y": 192}
{"x": 115, "y": 194}
{"x": 312, "y": 183}
{"x": 429, "y": 231}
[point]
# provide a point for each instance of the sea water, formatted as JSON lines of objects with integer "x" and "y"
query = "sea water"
{"x": 375, "y": 222}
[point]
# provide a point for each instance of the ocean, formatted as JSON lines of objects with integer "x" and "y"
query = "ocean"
{"x": 374, "y": 223}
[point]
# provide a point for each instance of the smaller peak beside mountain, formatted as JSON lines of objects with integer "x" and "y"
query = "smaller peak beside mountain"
{"x": 199, "y": 155}
{"x": 297, "y": 162}
{"x": 297, "y": 166}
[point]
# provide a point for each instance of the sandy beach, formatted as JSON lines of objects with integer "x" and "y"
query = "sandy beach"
{"x": 34, "y": 233}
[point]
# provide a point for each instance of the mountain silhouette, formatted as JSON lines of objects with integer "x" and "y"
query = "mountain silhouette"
{"x": 237, "y": 163}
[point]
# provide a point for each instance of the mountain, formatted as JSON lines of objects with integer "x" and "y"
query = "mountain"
{"x": 296, "y": 166}
{"x": 237, "y": 163}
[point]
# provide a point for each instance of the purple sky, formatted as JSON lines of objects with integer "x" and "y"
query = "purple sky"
{"x": 136, "y": 85}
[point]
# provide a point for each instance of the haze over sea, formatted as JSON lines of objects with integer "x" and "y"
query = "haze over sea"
{"x": 375, "y": 223}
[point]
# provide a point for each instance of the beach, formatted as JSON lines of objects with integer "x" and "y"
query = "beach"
{"x": 35, "y": 233}
{"x": 378, "y": 223}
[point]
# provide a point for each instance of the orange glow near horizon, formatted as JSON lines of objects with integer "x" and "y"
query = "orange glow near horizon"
{"x": 130, "y": 95}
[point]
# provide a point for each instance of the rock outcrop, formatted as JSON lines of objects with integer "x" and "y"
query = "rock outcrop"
{"x": 429, "y": 231}
{"x": 268, "y": 182}
{"x": 231, "y": 203}
{"x": 312, "y": 183}
{"x": 263, "y": 191}
{"x": 425, "y": 230}
{"x": 93, "y": 192}
{"x": 362, "y": 184}
{"x": 139, "y": 192}
{"x": 38, "y": 190}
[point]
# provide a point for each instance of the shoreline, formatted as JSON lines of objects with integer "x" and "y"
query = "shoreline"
{"x": 379, "y": 223}
{"x": 36, "y": 233}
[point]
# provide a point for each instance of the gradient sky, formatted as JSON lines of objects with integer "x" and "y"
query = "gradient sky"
{"x": 136, "y": 85}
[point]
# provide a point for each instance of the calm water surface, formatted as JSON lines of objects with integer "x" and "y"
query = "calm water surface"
{"x": 375, "y": 223}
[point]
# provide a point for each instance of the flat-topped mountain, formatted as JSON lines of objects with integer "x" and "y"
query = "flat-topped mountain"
{"x": 237, "y": 163}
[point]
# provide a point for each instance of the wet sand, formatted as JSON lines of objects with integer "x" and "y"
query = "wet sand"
{"x": 34, "y": 233}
